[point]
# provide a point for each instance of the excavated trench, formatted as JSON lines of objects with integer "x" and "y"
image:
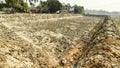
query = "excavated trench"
{"x": 102, "y": 50}
{"x": 32, "y": 41}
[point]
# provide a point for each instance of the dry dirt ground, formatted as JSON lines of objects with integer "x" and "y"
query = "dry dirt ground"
{"x": 58, "y": 41}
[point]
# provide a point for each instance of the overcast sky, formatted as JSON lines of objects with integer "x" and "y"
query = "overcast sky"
{"x": 109, "y": 5}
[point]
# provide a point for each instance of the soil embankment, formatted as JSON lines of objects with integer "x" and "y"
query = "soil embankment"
{"x": 46, "y": 41}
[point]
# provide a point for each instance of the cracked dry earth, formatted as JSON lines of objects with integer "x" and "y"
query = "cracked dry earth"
{"x": 58, "y": 41}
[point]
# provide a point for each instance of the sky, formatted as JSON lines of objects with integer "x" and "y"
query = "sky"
{"x": 108, "y": 5}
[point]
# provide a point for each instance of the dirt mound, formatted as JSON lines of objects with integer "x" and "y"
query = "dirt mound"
{"x": 103, "y": 49}
{"x": 69, "y": 42}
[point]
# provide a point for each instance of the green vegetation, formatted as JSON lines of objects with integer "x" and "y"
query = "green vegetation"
{"x": 78, "y": 9}
{"x": 54, "y": 5}
{"x": 17, "y": 5}
{"x": 2, "y": 5}
{"x": 12, "y": 6}
{"x": 49, "y": 6}
{"x": 43, "y": 7}
{"x": 67, "y": 7}
{"x": 7, "y": 10}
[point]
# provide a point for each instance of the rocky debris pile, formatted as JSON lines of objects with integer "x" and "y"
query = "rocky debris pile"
{"x": 103, "y": 50}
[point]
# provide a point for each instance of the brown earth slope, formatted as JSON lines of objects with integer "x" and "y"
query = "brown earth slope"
{"x": 103, "y": 49}
{"x": 46, "y": 41}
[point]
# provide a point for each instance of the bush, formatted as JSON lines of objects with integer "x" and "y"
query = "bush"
{"x": 2, "y": 6}
{"x": 6, "y": 10}
{"x": 25, "y": 7}
{"x": 17, "y": 5}
{"x": 54, "y": 5}
{"x": 78, "y": 9}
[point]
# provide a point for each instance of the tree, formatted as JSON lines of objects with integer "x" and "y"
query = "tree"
{"x": 17, "y": 5}
{"x": 49, "y": 6}
{"x": 2, "y": 5}
{"x": 78, "y": 9}
{"x": 68, "y": 6}
{"x": 54, "y": 5}
{"x": 43, "y": 7}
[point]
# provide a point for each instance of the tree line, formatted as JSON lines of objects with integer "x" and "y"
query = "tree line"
{"x": 49, "y": 6}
